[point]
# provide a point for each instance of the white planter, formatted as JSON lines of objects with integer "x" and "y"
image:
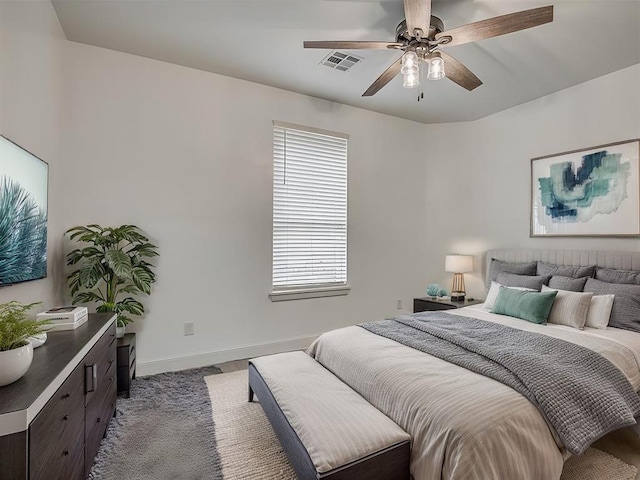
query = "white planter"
{"x": 120, "y": 331}
{"x": 15, "y": 363}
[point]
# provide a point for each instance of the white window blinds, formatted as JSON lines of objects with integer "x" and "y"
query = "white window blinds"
{"x": 309, "y": 208}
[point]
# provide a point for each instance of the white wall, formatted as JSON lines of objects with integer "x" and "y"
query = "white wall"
{"x": 478, "y": 173}
{"x": 31, "y": 103}
{"x": 187, "y": 156}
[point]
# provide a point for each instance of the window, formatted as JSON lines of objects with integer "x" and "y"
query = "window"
{"x": 309, "y": 213}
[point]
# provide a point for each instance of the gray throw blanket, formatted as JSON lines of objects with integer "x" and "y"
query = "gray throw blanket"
{"x": 582, "y": 395}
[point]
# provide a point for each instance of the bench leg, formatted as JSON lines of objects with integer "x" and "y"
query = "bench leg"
{"x": 250, "y": 394}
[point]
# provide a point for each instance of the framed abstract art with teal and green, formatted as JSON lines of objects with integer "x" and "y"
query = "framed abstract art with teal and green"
{"x": 588, "y": 192}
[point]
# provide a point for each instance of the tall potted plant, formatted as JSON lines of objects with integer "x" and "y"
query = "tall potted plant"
{"x": 16, "y": 351}
{"x": 112, "y": 269}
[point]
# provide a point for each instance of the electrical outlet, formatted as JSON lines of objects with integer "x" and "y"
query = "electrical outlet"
{"x": 399, "y": 305}
{"x": 189, "y": 328}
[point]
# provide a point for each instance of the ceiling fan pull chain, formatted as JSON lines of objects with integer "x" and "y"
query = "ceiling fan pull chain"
{"x": 421, "y": 93}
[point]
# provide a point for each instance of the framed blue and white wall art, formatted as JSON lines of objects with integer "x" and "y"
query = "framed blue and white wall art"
{"x": 23, "y": 214}
{"x": 588, "y": 192}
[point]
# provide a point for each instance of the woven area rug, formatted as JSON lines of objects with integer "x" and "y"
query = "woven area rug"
{"x": 248, "y": 448}
{"x": 163, "y": 431}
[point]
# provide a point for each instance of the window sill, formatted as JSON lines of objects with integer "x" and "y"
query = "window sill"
{"x": 302, "y": 293}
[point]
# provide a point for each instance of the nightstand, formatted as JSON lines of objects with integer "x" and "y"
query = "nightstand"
{"x": 428, "y": 304}
{"x": 126, "y": 362}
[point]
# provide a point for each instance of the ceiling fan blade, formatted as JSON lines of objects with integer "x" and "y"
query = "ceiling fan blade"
{"x": 385, "y": 78}
{"x": 349, "y": 45}
{"x": 493, "y": 27}
{"x": 418, "y": 15}
{"x": 458, "y": 73}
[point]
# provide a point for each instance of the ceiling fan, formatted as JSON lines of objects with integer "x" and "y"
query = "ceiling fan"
{"x": 421, "y": 35}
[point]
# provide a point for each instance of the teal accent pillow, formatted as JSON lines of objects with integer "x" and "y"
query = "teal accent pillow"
{"x": 533, "y": 307}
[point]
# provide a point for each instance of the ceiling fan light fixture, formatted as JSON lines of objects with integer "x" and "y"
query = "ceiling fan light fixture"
{"x": 409, "y": 61}
{"x": 411, "y": 80}
{"x": 436, "y": 69}
{"x": 410, "y": 70}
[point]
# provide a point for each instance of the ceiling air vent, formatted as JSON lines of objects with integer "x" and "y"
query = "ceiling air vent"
{"x": 340, "y": 61}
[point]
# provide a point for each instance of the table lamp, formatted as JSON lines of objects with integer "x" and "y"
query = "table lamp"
{"x": 458, "y": 265}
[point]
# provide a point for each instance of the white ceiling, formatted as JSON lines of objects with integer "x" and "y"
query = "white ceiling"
{"x": 261, "y": 41}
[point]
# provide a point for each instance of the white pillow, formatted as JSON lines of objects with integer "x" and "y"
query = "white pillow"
{"x": 493, "y": 294}
{"x": 600, "y": 311}
{"x": 569, "y": 308}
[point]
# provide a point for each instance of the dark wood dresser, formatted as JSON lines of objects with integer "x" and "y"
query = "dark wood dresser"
{"x": 53, "y": 418}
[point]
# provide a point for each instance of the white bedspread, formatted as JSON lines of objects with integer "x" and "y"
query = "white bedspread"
{"x": 463, "y": 425}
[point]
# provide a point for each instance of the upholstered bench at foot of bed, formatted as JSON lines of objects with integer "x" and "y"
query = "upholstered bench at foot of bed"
{"x": 326, "y": 429}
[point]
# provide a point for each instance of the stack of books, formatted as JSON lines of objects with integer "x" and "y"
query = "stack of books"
{"x": 65, "y": 318}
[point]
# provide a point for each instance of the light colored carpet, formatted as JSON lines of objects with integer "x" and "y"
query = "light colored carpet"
{"x": 249, "y": 449}
{"x": 247, "y": 446}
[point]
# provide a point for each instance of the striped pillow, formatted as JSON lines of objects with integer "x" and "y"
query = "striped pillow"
{"x": 569, "y": 308}
{"x": 600, "y": 311}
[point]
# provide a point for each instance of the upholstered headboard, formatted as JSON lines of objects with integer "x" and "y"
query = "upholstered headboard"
{"x": 602, "y": 258}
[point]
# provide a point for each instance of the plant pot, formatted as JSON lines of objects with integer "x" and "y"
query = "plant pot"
{"x": 15, "y": 363}
{"x": 120, "y": 331}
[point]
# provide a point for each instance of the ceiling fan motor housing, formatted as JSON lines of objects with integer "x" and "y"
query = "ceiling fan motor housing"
{"x": 403, "y": 35}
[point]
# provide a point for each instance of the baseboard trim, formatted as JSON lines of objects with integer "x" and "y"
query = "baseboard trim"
{"x": 171, "y": 364}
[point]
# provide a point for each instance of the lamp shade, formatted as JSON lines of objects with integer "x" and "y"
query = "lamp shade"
{"x": 458, "y": 263}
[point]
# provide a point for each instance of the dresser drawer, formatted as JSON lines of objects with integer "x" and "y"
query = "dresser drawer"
{"x": 126, "y": 362}
{"x": 100, "y": 410}
{"x": 105, "y": 343}
{"x": 126, "y": 354}
{"x": 56, "y": 434}
{"x": 64, "y": 461}
{"x": 98, "y": 361}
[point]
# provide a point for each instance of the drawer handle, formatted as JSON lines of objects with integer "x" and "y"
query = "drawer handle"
{"x": 90, "y": 375}
{"x": 66, "y": 417}
{"x": 66, "y": 452}
{"x": 98, "y": 420}
{"x": 66, "y": 395}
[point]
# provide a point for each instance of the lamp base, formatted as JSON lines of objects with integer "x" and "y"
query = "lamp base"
{"x": 457, "y": 289}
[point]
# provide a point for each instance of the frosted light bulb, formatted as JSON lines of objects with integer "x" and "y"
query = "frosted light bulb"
{"x": 411, "y": 80}
{"x": 409, "y": 59}
{"x": 436, "y": 69}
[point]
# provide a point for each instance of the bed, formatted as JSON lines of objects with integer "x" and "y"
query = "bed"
{"x": 463, "y": 424}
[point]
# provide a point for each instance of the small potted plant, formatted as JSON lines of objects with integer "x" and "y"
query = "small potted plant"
{"x": 112, "y": 269}
{"x": 16, "y": 351}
